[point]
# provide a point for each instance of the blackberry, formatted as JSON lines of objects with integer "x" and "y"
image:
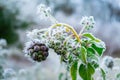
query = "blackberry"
{"x": 38, "y": 52}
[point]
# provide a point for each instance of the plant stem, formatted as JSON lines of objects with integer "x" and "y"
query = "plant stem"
{"x": 81, "y": 31}
{"x": 53, "y": 20}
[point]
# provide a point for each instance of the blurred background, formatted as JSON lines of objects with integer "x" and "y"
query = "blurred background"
{"x": 19, "y": 16}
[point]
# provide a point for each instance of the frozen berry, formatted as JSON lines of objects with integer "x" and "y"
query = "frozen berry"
{"x": 44, "y": 48}
{"x": 38, "y": 51}
{"x": 45, "y": 54}
{"x": 36, "y": 48}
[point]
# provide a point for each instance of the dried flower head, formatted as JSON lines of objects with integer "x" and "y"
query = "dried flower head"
{"x": 87, "y": 22}
{"x": 43, "y": 11}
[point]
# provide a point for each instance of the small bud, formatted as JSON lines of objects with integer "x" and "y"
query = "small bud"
{"x": 36, "y": 48}
{"x": 45, "y": 54}
{"x": 31, "y": 50}
{"x": 44, "y": 48}
{"x": 43, "y": 11}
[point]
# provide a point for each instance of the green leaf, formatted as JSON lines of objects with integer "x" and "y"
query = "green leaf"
{"x": 91, "y": 55}
{"x": 90, "y": 50}
{"x": 95, "y": 64}
{"x": 91, "y": 69}
{"x": 83, "y": 54}
{"x": 60, "y": 76}
{"x": 73, "y": 70}
{"x": 93, "y": 59}
{"x": 86, "y": 71}
{"x": 103, "y": 74}
{"x": 83, "y": 71}
{"x": 118, "y": 76}
{"x": 98, "y": 48}
{"x": 90, "y": 36}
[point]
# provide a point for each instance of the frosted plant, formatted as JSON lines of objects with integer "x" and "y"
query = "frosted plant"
{"x": 26, "y": 74}
{"x": 80, "y": 52}
{"x": 87, "y": 22}
{"x": 43, "y": 11}
{"x": 3, "y": 43}
{"x": 108, "y": 62}
{"x": 112, "y": 73}
{"x": 9, "y": 74}
{"x": 3, "y": 51}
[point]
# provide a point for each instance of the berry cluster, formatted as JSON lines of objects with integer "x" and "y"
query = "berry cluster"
{"x": 57, "y": 39}
{"x": 58, "y": 47}
{"x": 38, "y": 51}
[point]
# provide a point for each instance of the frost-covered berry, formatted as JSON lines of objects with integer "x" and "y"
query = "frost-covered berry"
{"x": 37, "y": 50}
{"x": 108, "y": 62}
